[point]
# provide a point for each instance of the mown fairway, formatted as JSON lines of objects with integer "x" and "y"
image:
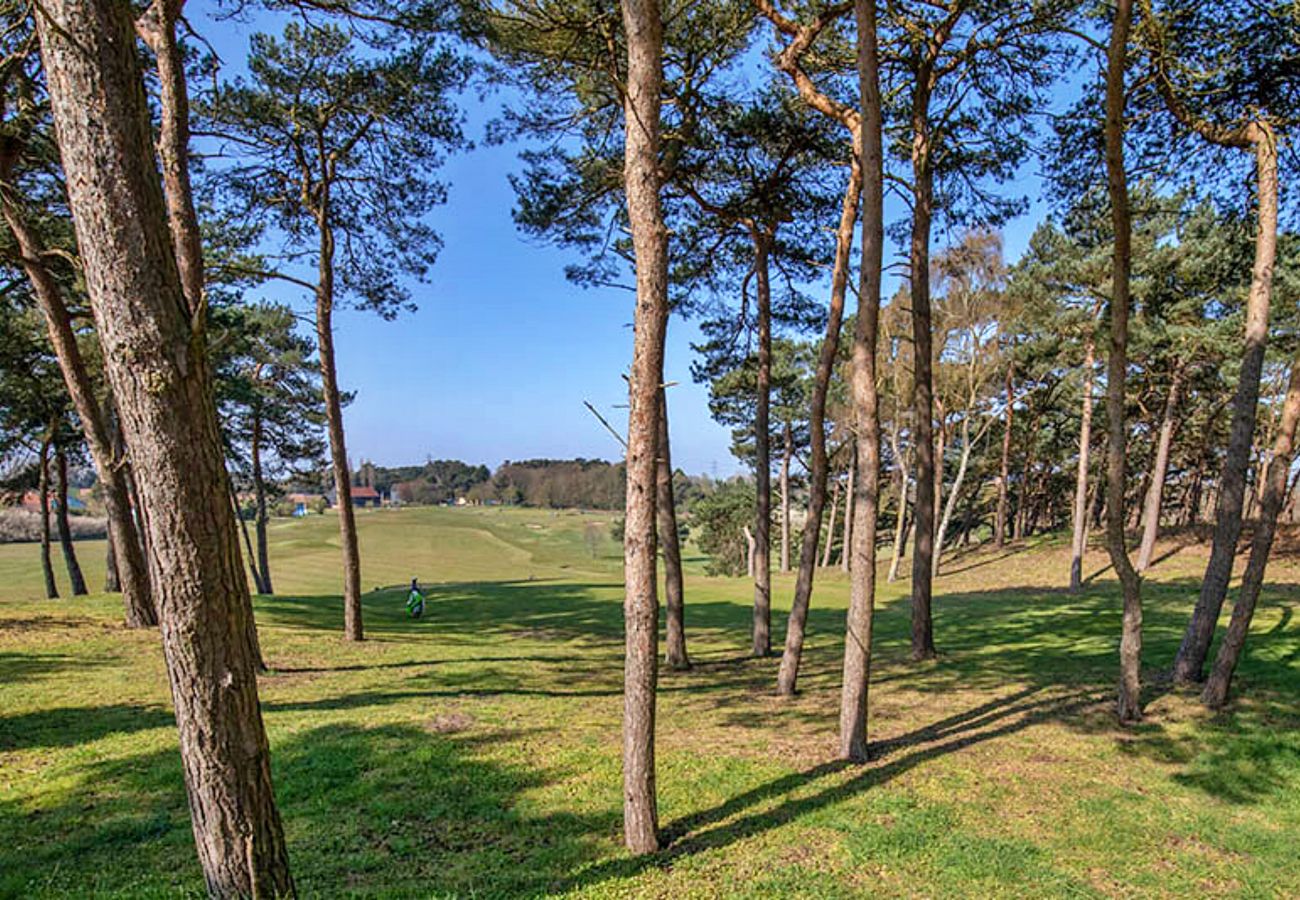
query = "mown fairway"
{"x": 475, "y": 752}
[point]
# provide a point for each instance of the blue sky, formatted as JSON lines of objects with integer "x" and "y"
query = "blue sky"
{"x": 503, "y": 351}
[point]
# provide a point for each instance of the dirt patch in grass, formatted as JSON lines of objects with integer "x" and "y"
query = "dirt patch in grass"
{"x": 450, "y": 723}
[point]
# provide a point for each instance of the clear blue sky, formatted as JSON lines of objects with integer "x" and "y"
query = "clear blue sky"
{"x": 503, "y": 351}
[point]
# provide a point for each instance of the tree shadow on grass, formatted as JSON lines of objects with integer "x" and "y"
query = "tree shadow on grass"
{"x": 395, "y": 809}
{"x": 987, "y": 639}
{"x": 75, "y": 725}
{"x": 790, "y": 797}
{"x": 411, "y": 664}
{"x": 32, "y": 666}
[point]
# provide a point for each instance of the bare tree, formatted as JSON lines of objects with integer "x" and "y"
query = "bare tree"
{"x": 972, "y": 275}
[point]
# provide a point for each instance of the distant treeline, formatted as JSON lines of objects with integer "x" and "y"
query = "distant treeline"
{"x": 591, "y": 483}
{"x": 555, "y": 483}
{"x": 549, "y": 483}
{"x": 437, "y": 481}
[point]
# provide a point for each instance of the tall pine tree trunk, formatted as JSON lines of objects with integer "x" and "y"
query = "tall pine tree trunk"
{"x": 1232, "y": 483}
{"x": 865, "y": 498}
{"x": 75, "y": 578}
{"x": 352, "y": 627}
{"x": 127, "y": 569}
{"x": 1079, "y": 541}
{"x": 675, "y": 656}
{"x": 643, "y": 25}
{"x": 1215, "y": 693}
{"x": 156, "y": 360}
{"x": 923, "y": 380}
{"x": 1129, "y": 706}
{"x": 761, "y": 570}
{"x": 43, "y": 486}
{"x": 788, "y": 676}
{"x": 1159, "y": 469}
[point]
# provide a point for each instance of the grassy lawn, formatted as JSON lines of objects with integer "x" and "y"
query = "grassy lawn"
{"x": 475, "y": 752}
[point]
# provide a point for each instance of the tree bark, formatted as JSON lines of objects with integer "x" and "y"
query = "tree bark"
{"x": 75, "y": 578}
{"x": 1079, "y": 542}
{"x": 1004, "y": 473}
{"x": 43, "y": 486}
{"x": 923, "y": 379}
{"x": 675, "y": 656}
{"x": 643, "y": 25}
{"x": 352, "y": 626}
{"x": 1215, "y": 693}
{"x": 1129, "y": 706}
{"x": 260, "y": 515}
{"x": 866, "y": 402}
{"x": 788, "y": 676}
{"x": 785, "y": 499}
{"x": 1159, "y": 468}
{"x": 845, "y": 554}
{"x": 830, "y": 526}
{"x": 155, "y": 356}
{"x": 157, "y": 28}
{"x": 1232, "y": 483}
{"x": 128, "y": 553}
{"x": 761, "y": 567}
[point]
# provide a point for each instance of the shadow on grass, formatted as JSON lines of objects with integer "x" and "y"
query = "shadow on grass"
{"x": 790, "y": 797}
{"x": 75, "y": 725}
{"x": 1036, "y": 637}
{"x": 396, "y": 809}
{"x": 32, "y": 666}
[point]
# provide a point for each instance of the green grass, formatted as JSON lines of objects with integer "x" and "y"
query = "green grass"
{"x": 475, "y": 752}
